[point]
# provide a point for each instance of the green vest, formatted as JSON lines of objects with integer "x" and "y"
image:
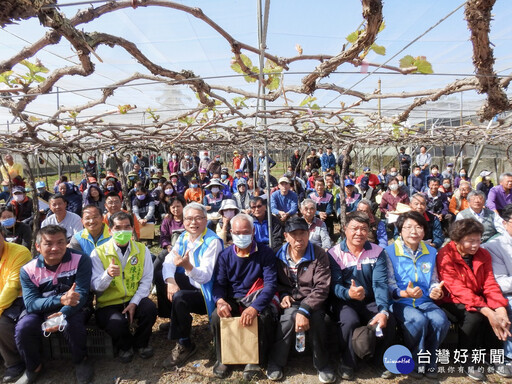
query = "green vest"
{"x": 123, "y": 287}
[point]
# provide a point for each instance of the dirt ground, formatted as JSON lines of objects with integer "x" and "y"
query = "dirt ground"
{"x": 199, "y": 369}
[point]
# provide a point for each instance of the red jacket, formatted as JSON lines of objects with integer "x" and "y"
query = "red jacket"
{"x": 373, "y": 179}
{"x": 473, "y": 289}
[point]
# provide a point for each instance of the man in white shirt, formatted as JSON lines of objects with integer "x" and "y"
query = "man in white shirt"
{"x": 423, "y": 160}
{"x": 70, "y": 221}
{"x": 122, "y": 273}
{"x": 188, "y": 271}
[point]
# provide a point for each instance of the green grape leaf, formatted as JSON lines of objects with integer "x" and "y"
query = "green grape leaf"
{"x": 424, "y": 66}
{"x": 352, "y": 37}
{"x": 406, "y": 61}
{"x": 378, "y": 49}
{"x": 274, "y": 83}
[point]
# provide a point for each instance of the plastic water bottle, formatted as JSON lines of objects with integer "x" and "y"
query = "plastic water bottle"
{"x": 300, "y": 341}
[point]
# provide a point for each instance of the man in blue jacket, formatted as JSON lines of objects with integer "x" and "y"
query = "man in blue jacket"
{"x": 359, "y": 283}
{"x": 55, "y": 283}
{"x": 241, "y": 270}
{"x": 95, "y": 231}
{"x": 328, "y": 160}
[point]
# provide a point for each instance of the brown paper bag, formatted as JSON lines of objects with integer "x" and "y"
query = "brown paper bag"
{"x": 147, "y": 232}
{"x": 239, "y": 344}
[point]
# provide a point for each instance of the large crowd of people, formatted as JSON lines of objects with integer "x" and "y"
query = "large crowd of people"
{"x": 404, "y": 254}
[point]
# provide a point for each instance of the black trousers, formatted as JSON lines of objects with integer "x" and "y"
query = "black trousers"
{"x": 474, "y": 329}
{"x": 266, "y": 329}
{"x": 354, "y": 314}
{"x": 164, "y": 305}
{"x": 285, "y": 333}
{"x": 187, "y": 300}
{"x": 117, "y": 325}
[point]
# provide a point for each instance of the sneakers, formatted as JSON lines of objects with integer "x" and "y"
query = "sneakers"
{"x": 387, "y": 375}
{"x": 503, "y": 370}
{"x": 251, "y": 371}
{"x": 474, "y": 374}
{"x": 326, "y": 375}
{"x": 84, "y": 371}
{"x": 11, "y": 374}
{"x": 220, "y": 370}
{"x": 126, "y": 356}
{"x": 346, "y": 373}
{"x": 28, "y": 377}
{"x": 179, "y": 355}
{"x": 145, "y": 352}
{"x": 274, "y": 372}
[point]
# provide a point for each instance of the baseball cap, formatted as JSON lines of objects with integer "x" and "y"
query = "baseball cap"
{"x": 40, "y": 184}
{"x": 449, "y": 165}
{"x": 296, "y": 223}
{"x": 202, "y": 170}
{"x": 363, "y": 341}
{"x": 348, "y": 182}
{"x": 366, "y": 169}
{"x": 485, "y": 173}
{"x": 284, "y": 180}
{"x": 238, "y": 170}
{"x": 18, "y": 189}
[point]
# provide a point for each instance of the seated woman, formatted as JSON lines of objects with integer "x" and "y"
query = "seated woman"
{"x": 392, "y": 197}
{"x": 212, "y": 201}
{"x": 475, "y": 301}
{"x": 413, "y": 285}
{"x": 143, "y": 206}
{"x": 94, "y": 196}
{"x": 228, "y": 210}
{"x": 242, "y": 197}
{"x": 171, "y": 228}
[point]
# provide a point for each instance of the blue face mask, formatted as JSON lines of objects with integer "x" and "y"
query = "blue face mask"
{"x": 193, "y": 185}
{"x": 224, "y": 177}
{"x": 110, "y": 188}
{"x": 8, "y": 223}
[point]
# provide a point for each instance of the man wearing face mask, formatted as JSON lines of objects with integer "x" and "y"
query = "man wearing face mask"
{"x": 188, "y": 271}
{"x": 122, "y": 273}
{"x": 42, "y": 192}
{"x": 22, "y": 205}
{"x": 204, "y": 180}
{"x": 415, "y": 181}
{"x": 194, "y": 192}
{"x": 215, "y": 165}
{"x": 243, "y": 267}
{"x": 143, "y": 161}
{"x": 261, "y": 163}
{"x": 14, "y": 232}
{"x": 188, "y": 166}
{"x": 448, "y": 172}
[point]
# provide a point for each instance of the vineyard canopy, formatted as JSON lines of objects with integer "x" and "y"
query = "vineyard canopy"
{"x": 159, "y": 74}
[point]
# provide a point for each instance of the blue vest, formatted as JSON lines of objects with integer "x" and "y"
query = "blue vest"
{"x": 418, "y": 270}
{"x": 206, "y": 238}
{"x": 86, "y": 241}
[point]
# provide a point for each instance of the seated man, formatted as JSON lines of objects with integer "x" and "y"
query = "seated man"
{"x": 259, "y": 214}
{"x": 22, "y": 205}
{"x": 244, "y": 267}
{"x": 304, "y": 279}
{"x": 113, "y": 204}
{"x": 284, "y": 202}
{"x": 324, "y": 205}
{"x": 70, "y": 221}
{"x": 359, "y": 284}
{"x": 122, "y": 273}
{"x": 352, "y": 198}
{"x": 55, "y": 283}
{"x": 188, "y": 271}
{"x": 434, "y": 236}
{"x": 318, "y": 233}
{"x": 500, "y": 248}
{"x": 94, "y": 234}
{"x": 13, "y": 257}
{"x": 459, "y": 201}
{"x": 489, "y": 219}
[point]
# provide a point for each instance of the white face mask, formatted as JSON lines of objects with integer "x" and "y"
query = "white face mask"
{"x": 400, "y": 183}
{"x": 393, "y": 187}
{"x": 241, "y": 241}
{"x": 393, "y": 173}
{"x": 417, "y": 172}
{"x": 168, "y": 191}
{"x": 215, "y": 189}
{"x": 446, "y": 186}
{"x": 19, "y": 198}
{"x": 229, "y": 214}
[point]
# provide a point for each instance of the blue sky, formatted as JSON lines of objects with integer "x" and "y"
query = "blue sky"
{"x": 179, "y": 41}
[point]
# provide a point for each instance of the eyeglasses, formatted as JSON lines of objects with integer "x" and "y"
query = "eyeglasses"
{"x": 257, "y": 206}
{"x": 195, "y": 219}
{"x": 417, "y": 228}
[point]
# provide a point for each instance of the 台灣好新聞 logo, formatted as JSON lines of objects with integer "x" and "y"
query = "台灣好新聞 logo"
{"x": 398, "y": 360}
